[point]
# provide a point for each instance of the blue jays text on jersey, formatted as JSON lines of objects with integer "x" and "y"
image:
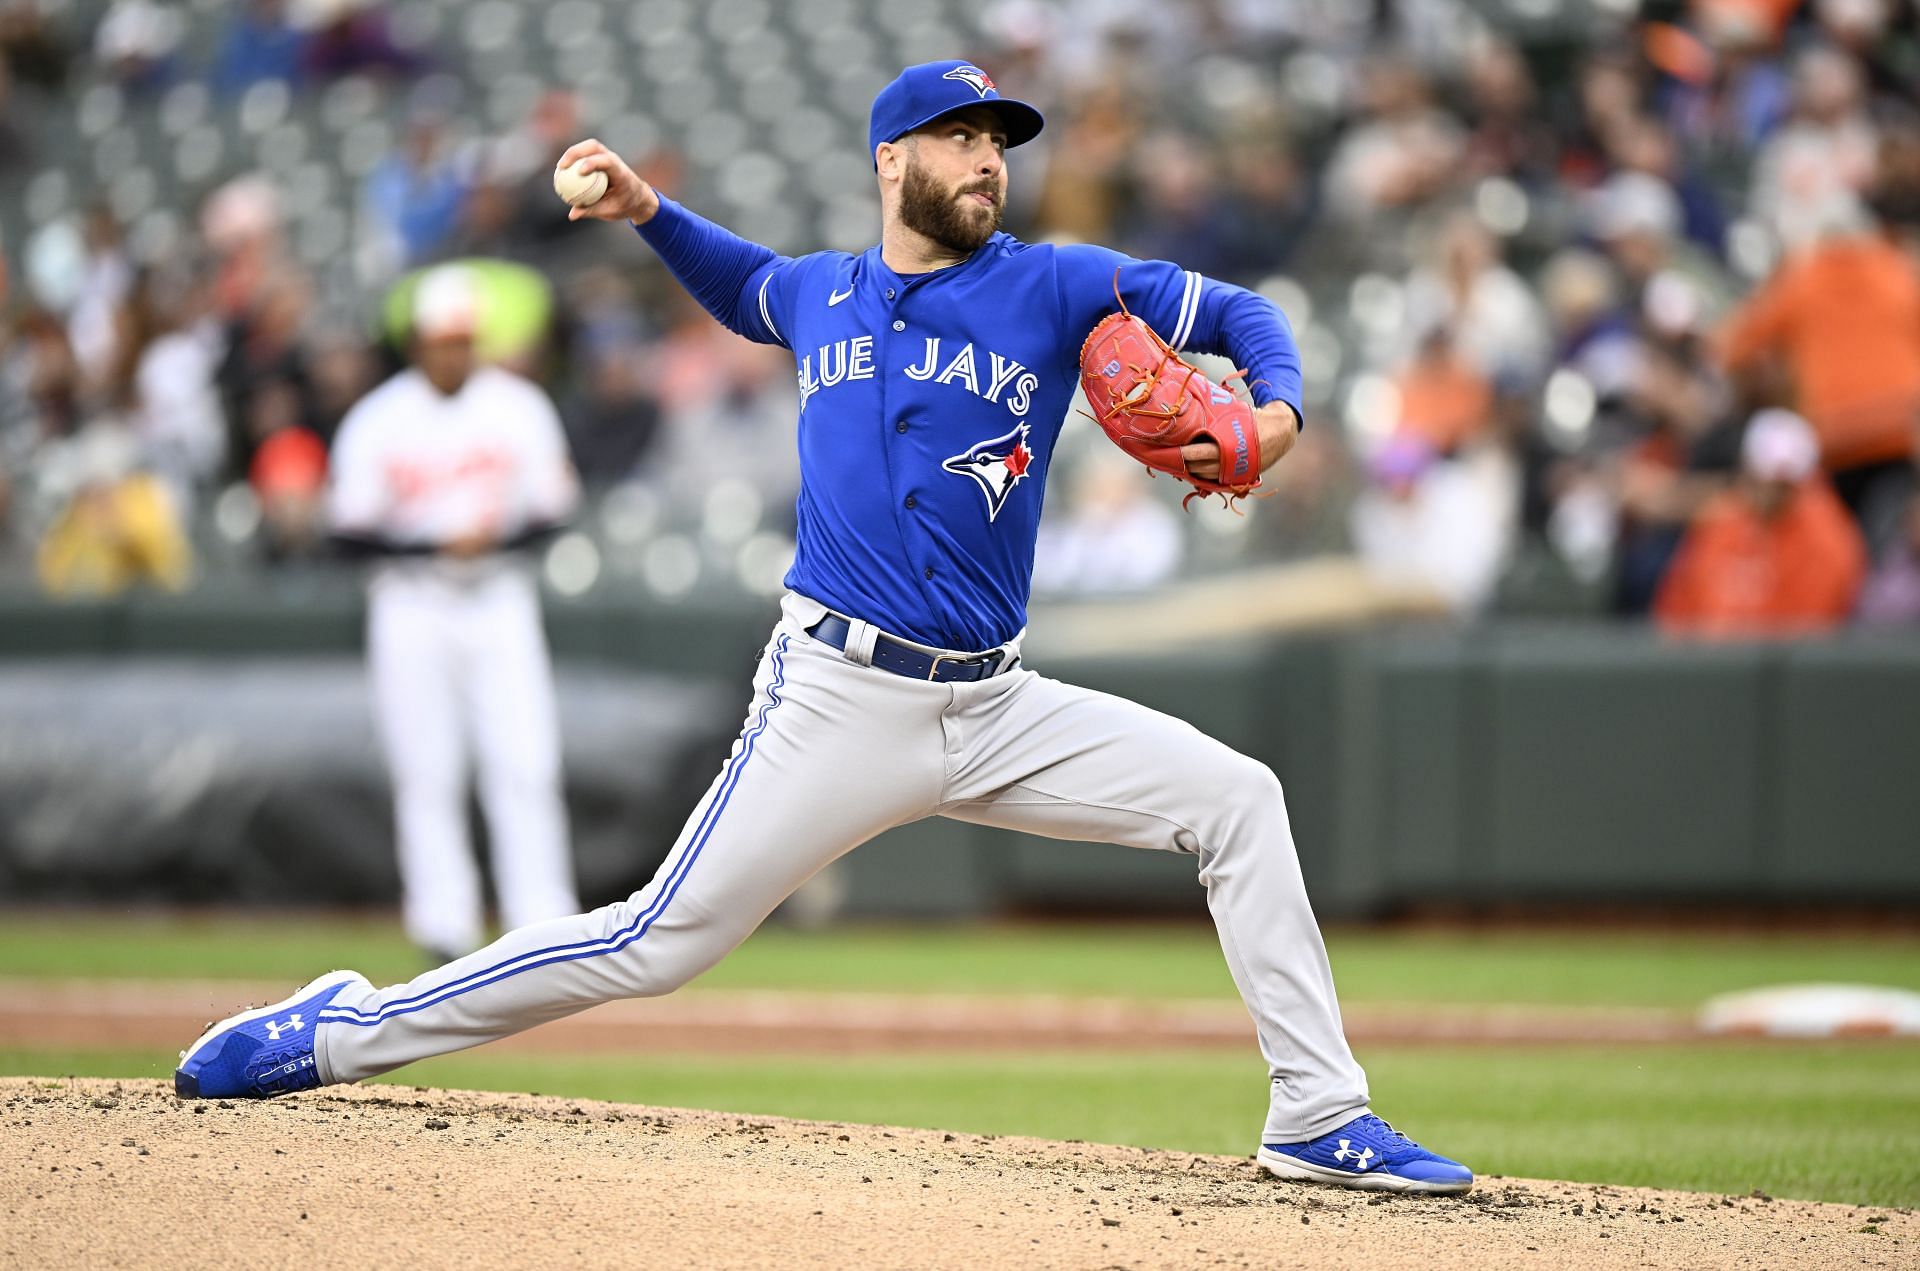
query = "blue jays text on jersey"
{"x": 930, "y": 404}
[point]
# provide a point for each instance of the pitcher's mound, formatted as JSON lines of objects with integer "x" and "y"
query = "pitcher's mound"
{"x": 120, "y": 1173}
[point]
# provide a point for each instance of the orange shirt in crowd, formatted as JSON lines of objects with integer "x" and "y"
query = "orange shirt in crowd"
{"x": 1845, "y": 315}
{"x": 1444, "y": 402}
{"x": 1739, "y": 573}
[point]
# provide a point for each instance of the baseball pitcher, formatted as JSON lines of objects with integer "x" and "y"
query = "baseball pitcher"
{"x": 935, "y": 371}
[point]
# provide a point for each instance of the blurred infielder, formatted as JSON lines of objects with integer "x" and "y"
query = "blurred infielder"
{"x": 935, "y": 373}
{"x": 441, "y": 472}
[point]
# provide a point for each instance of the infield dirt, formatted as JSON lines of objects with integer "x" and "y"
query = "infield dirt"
{"x": 120, "y": 1173}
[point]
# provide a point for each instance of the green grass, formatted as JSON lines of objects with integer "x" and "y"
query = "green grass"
{"x": 1821, "y": 1122}
{"x": 1145, "y": 960}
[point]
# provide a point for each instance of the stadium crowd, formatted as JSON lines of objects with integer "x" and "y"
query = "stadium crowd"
{"x": 1626, "y": 303}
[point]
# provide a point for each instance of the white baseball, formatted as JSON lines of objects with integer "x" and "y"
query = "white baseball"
{"x": 579, "y": 188}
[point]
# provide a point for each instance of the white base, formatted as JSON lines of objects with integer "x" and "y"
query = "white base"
{"x": 1299, "y": 1171}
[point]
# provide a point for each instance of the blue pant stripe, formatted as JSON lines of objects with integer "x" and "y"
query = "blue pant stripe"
{"x": 639, "y": 927}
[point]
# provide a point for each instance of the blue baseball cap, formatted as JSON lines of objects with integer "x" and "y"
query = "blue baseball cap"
{"x": 923, "y": 93}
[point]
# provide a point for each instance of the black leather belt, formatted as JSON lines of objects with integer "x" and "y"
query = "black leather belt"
{"x": 903, "y": 659}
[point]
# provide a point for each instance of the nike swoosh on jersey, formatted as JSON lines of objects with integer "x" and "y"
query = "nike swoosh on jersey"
{"x": 838, "y": 296}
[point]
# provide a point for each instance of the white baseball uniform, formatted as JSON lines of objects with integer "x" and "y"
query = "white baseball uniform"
{"x": 455, "y": 647}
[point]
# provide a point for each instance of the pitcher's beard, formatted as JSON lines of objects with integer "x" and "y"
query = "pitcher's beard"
{"x": 941, "y": 216}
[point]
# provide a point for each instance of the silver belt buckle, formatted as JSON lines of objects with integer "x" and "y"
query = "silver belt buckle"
{"x": 938, "y": 658}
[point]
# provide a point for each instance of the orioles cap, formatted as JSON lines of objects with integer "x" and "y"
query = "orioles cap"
{"x": 446, "y": 302}
{"x": 921, "y": 94}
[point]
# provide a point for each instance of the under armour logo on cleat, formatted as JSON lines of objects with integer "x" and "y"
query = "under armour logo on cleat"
{"x": 290, "y": 1024}
{"x": 1360, "y": 1159}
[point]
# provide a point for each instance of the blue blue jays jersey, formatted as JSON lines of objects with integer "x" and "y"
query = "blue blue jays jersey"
{"x": 930, "y": 404}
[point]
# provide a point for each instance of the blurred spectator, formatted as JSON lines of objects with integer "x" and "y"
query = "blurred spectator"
{"x": 1725, "y": 95}
{"x": 1182, "y": 214}
{"x": 1594, "y": 333}
{"x": 612, "y": 422}
{"x": 1109, "y": 534}
{"x": 1864, "y": 31}
{"x": 241, "y": 224}
{"x": 341, "y": 370}
{"x": 1892, "y": 593}
{"x": 1305, "y": 513}
{"x": 1775, "y": 555}
{"x": 1637, "y": 220}
{"x": 727, "y": 407}
{"x": 42, "y": 367}
{"x": 1083, "y": 191}
{"x": 1645, "y": 144}
{"x": 176, "y": 402}
{"x": 1442, "y": 523}
{"x": 1757, "y": 24}
{"x": 1841, "y": 320}
{"x": 1508, "y": 134}
{"x": 106, "y": 281}
{"x": 1400, "y": 152}
{"x": 135, "y": 43}
{"x": 1824, "y": 157}
{"x": 265, "y": 381}
{"x": 519, "y": 176}
{"x": 289, "y": 478}
{"x": 1445, "y": 400}
{"x": 1685, "y": 448}
{"x": 348, "y": 37}
{"x": 260, "y": 44}
{"x": 612, "y": 417}
{"x": 1607, "y": 97}
{"x": 412, "y": 199}
{"x": 31, "y": 49}
{"x": 118, "y": 526}
{"x": 1493, "y": 319}
{"x": 740, "y": 423}
{"x": 1894, "y": 195}
{"x": 1271, "y": 201}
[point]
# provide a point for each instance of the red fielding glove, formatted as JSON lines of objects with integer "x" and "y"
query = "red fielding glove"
{"x": 1151, "y": 402}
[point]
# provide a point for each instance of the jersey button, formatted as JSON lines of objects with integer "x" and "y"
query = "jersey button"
{"x": 899, "y": 325}
{"x": 901, "y": 426}
{"x": 910, "y": 500}
{"x": 928, "y": 571}
{"x": 889, "y": 293}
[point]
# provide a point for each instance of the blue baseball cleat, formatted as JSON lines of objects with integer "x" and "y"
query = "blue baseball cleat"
{"x": 1366, "y": 1152}
{"x": 261, "y": 1053}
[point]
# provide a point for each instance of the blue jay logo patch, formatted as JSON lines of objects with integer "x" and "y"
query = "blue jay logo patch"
{"x": 973, "y": 77}
{"x": 995, "y": 466}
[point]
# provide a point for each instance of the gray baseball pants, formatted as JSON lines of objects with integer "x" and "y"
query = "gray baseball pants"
{"x": 832, "y": 753}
